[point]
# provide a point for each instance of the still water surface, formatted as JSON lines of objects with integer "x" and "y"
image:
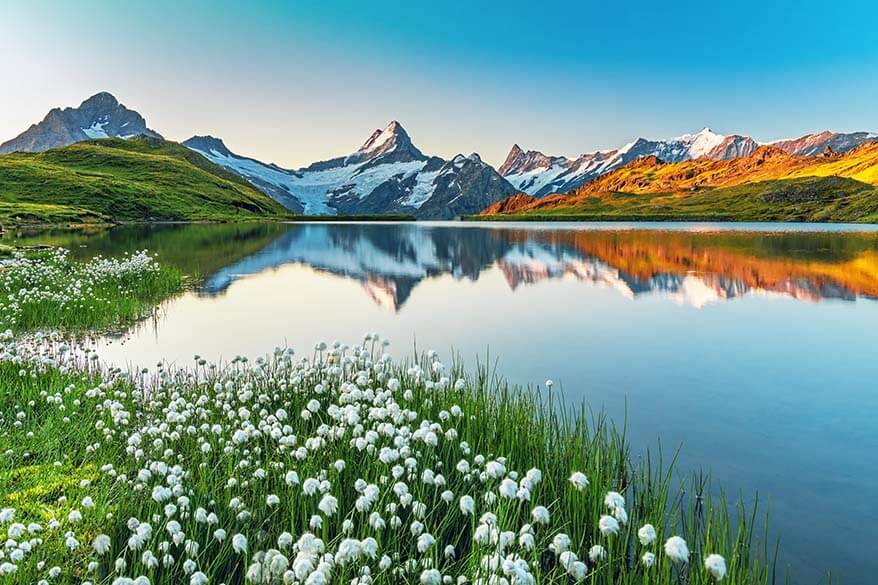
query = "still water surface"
{"x": 753, "y": 347}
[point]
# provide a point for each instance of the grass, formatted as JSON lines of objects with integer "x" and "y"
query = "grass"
{"x": 142, "y": 179}
{"x": 59, "y": 443}
{"x": 46, "y": 290}
{"x": 159, "y": 460}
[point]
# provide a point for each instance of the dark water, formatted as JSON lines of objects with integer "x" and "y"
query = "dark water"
{"x": 754, "y": 347}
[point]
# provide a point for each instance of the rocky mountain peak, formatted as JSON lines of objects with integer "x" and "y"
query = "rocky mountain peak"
{"x": 521, "y": 161}
{"x": 100, "y": 116}
{"x": 100, "y": 100}
{"x": 383, "y": 140}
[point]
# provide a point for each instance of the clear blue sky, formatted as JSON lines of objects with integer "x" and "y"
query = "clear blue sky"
{"x": 294, "y": 82}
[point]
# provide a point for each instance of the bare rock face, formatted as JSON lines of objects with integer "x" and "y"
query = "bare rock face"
{"x": 100, "y": 116}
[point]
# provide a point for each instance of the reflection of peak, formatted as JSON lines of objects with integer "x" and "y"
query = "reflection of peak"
{"x": 690, "y": 268}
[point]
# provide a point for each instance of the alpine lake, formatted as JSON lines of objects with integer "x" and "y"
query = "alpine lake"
{"x": 748, "y": 351}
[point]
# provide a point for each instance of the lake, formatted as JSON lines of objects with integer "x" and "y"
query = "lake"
{"x": 753, "y": 347}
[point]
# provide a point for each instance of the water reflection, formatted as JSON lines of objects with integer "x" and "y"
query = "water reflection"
{"x": 692, "y": 268}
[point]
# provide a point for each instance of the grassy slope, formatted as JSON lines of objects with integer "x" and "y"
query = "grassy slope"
{"x": 767, "y": 186}
{"x": 134, "y": 180}
{"x": 807, "y": 199}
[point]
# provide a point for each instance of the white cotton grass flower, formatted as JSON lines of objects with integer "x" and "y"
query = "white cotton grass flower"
{"x": 328, "y": 505}
{"x": 647, "y": 534}
{"x": 677, "y": 550}
{"x": 239, "y": 543}
{"x": 614, "y": 500}
{"x": 716, "y": 566}
{"x": 579, "y": 480}
{"x": 540, "y": 515}
{"x": 608, "y": 525}
{"x": 431, "y": 577}
{"x": 101, "y": 544}
{"x": 648, "y": 559}
{"x": 597, "y": 553}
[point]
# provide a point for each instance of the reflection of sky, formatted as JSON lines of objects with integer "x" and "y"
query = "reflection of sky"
{"x": 770, "y": 393}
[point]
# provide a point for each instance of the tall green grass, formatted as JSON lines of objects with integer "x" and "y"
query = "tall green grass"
{"x": 47, "y": 290}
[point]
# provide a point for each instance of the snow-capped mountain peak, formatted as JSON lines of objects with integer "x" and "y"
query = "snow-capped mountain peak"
{"x": 702, "y": 142}
{"x": 387, "y": 174}
{"x": 393, "y": 141}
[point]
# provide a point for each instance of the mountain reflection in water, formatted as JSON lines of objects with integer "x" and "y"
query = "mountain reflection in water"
{"x": 694, "y": 268}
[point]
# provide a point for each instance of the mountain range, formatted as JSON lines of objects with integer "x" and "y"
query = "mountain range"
{"x": 537, "y": 174}
{"x": 769, "y": 184}
{"x": 388, "y": 174}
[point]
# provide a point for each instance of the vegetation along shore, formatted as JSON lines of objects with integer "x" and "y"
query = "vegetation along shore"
{"x": 337, "y": 465}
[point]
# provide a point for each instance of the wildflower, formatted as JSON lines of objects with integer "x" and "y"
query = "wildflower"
{"x": 101, "y": 544}
{"x": 467, "y": 505}
{"x": 272, "y": 500}
{"x": 614, "y": 500}
{"x": 540, "y": 515}
{"x": 198, "y": 578}
{"x": 425, "y": 541}
{"x": 560, "y": 543}
{"x": 431, "y": 577}
{"x": 239, "y": 543}
{"x": 328, "y": 505}
{"x": 597, "y": 553}
{"x": 608, "y": 525}
{"x": 647, "y": 534}
{"x": 579, "y": 480}
{"x": 676, "y": 549}
{"x": 716, "y": 566}
{"x": 648, "y": 559}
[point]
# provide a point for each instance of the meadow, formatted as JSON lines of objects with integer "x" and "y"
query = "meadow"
{"x": 115, "y": 180}
{"x": 339, "y": 464}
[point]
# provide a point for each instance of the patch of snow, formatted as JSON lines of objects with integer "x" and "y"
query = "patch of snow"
{"x": 313, "y": 200}
{"x": 534, "y": 180}
{"x": 423, "y": 189}
{"x": 316, "y": 189}
{"x": 700, "y": 143}
{"x": 96, "y": 130}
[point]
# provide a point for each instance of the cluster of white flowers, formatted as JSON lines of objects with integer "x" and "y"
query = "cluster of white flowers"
{"x": 52, "y": 279}
{"x": 212, "y": 474}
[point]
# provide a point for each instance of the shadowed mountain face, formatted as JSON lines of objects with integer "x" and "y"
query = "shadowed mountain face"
{"x": 688, "y": 267}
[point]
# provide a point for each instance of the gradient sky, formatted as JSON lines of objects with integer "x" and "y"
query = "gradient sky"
{"x": 295, "y": 82}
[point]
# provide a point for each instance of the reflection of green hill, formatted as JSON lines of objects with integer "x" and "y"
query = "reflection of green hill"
{"x": 196, "y": 249}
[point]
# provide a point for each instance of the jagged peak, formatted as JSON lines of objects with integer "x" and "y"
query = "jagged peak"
{"x": 385, "y": 139}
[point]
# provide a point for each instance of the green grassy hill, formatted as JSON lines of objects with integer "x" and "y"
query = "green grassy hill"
{"x": 142, "y": 179}
{"x": 817, "y": 199}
